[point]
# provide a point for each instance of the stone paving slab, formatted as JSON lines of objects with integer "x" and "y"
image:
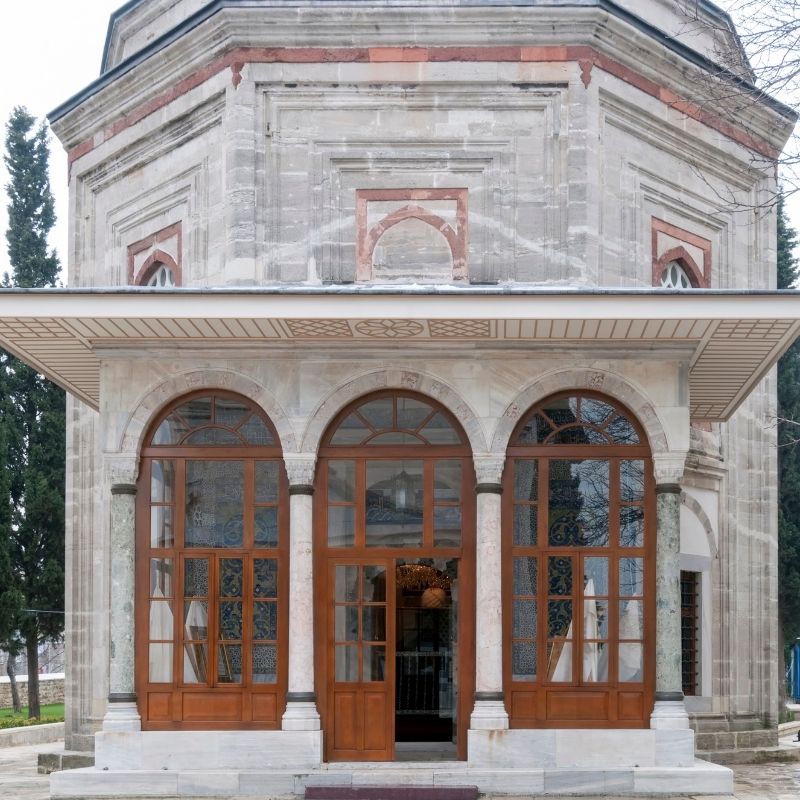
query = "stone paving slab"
{"x": 19, "y": 780}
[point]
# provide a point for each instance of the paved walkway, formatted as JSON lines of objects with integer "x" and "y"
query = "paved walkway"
{"x": 20, "y": 781}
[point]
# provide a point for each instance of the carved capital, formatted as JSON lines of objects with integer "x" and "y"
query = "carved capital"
{"x": 300, "y": 469}
{"x": 668, "y": 467}
{"x": 488, "y": 469}
{"x": 121, "y": 470}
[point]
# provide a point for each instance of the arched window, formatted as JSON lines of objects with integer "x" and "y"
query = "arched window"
{"x": 578, "y": 567}
{"x": 211, "y": 567}
{"x": 674, "y": 276}
{"x": 161, "y": 276}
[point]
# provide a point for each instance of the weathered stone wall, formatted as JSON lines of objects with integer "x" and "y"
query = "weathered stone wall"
{"x": 51, "y": 690}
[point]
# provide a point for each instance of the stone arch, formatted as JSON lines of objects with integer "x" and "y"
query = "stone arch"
{"x": 156, "y": 259}
{"x": 428, "y": 385}
{"x": 682, "y": 256}
{"x": 157, "y": 396}
{"x": 577, "y": 379}
{"x": 696, "y": 509}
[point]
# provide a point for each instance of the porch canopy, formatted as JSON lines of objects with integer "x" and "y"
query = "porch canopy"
{"x": 730, "y": 338}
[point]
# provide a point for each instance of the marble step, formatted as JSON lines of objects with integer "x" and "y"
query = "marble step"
{"x": 63, "y": 759}
{"x": 399, "y": 792}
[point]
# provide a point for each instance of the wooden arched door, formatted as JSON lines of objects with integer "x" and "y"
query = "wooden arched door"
{"x": 394, "y": 555}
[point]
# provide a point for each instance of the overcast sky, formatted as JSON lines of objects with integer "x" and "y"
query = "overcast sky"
{"x": 49, "y": 50}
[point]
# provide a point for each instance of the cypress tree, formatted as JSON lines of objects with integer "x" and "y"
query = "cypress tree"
{"x": 34, "y": 432}
{"x": 788, "y": 449}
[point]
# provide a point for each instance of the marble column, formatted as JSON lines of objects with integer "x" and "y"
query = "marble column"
{"x": 122, "y": 713}
{"x": 301, "y": 702}
{"x": 489, "y": 712}
{"x": 669, "y": 711}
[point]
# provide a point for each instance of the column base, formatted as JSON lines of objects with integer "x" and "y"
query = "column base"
{"x": 489, "y": 715}
{"x": 669, "y": 715}
{"x": 300, "y": 716}
{"x": 122, "y": 716}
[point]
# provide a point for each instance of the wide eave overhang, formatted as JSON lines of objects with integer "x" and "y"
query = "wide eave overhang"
{"x": 730, "y": 339}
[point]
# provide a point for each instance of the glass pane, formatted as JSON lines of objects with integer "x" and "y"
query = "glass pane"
{"x": 524, "y": 619}
{"x": 559, "y": 619}
{"x": 525, "y": 518}
{"x": 447, "y": 526}
{"x": 374, "y": 589}
{"x": 265, "y": 577}
{"x": 346, "y": 623}
{"x": 265, "y": 663}
{"x": 559, "y": 575}
{"x": 394, "y": 503}
{"x": 374, "y": 663}
{"x": 265, "y": 620}
{"x": 162, "y": 480}
{"x": 346, "y": 658}
{"x": 578, "y": 434}
{"x": 214, "y": 497}
{"x": 395, "y": 437}
{"x": 525, "y": 576}
{"x": 379, "y": 413}
{"x": 631, "y": 481}
{"x": 578, "y": 497}
{"x": 631, "y": 577}
{"x": 161, "y": 531}
{"x": 447, "y": 481}
{"x": 630, "y": 662}
{"x": 352, "y": 430}
{"x": 231, "y": 572}
{"x": 160, "y": 663}
{"x": 160, "y": 577}
{"x": 621, "y": 431}
{"x": 195, "y": 577}
{"x": 526, "y": 479}
{"x": 229, "y": 663}
{"x": 631, "y": 526}
{"x": 170, "y": 431}
{"x": 411, "y": 413}
{"x": 229, "y": 412}
{"x": 595, "y": 619}
{"x": 440, "y": 431}
{"x": 373, "y": 623}
{"x": 523, "y": 661}
{"x": 595, "y": 412}
{"x": 341, "y": 526}
{"x": 595, "y": 662}
{"x": 267, "y": 481}
{"x": 559, "y": 661}
{"x": 196, "y": 412}
{"x": 195, "y": 662}
{"x": 563, "y": 410}
{"x": 536, "y": 430}
{"x": 254, "y": 431}
{"x": 265, "y": 532}
{"x": 161, "y": 620}
{"x": 230, "y": 620}
{"x": 631, "y": 619}
{"x": 213, "y": 436}
{"x": 595, "y": 576}
{"x": 341, "y": 481}
{"x": 346, "y": 584}
{"x": 195, "y": 619}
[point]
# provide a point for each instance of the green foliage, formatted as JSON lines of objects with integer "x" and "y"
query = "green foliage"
{"x": 789, "y": 449}
{"x": 32, "y": 421}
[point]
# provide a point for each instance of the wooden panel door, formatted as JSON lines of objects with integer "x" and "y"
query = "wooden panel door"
{"x": 360, "y": 634}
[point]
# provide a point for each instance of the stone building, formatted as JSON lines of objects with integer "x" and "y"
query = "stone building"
{"x": 420, "y": 399}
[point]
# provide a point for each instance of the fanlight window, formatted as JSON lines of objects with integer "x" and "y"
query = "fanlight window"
{"x": 675, "y": 276}
{"x": 162, "y": 278}
{"x": 395, "y": 421}
{"x": 577, "y": 420}
{"x": 213, "y": 421}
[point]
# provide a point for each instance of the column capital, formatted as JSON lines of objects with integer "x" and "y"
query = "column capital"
{"x": 120, "y": 469}
{"x": 488, "y": 468}
{"x": 668, "y": 467}
{"x": 300, "y": 468}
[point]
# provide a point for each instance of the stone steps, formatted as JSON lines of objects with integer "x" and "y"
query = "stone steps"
{"x": 755, "y": 755}
{"x": 63, "y": 759}
{"x": 404, "y": 792}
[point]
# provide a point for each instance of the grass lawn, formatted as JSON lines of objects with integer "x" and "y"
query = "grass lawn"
{"x": 50, "y": 713}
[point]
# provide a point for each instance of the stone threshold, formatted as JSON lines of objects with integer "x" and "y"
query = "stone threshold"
{"x": 702, "y": 778}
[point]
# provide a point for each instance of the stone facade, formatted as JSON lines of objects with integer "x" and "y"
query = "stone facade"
{"x": 318, "y": 144}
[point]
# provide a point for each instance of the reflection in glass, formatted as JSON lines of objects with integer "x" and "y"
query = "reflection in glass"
{"x": 195, "y": 662}
{"x": 524, "y": 619}
{"x": 559, "y": 575}
{"x": 341, "y": 481}
{"x": 212, "y": 436}
{"x": 161, "y": 532}
{"x": 352, "y": 430}
{"x": 162, "y": 481}
{"x": 341, "y": 526}
{"x": 374, "y": 667}
{"x": 171, "y": 430}
{"x": 631, "y": 577}
{"x": 265, "y": 577}
{"x": 373, "y": 623}
{"x": 229, "y": 412}
{"x": 195, "y": 619}
{"x": 621, "y": 431}
{"x": 214, "y": 498}
{"x": 161, "y": 619}
{"x": 230, "y": 620}
{"x": 195, "y": 577}
{"x": 229, "y": 663}
{"x": 346, "y": 584}
{"x": 411, "y": 413}
{"x": 447, "y": 481}
{"x": 595, "y": 662}
{"x": 265, "y": 532}
{"x": 630, "y": 661}
{"x": 525, "y": 521}
{"x": 595, "y": 576}
{"x": 160, "y": 577}
{"x": 255, "y": 432}
{"x": 346, "y": 660}
{"x": 267, "y": 481}
{"x": 346, "y": 623}
{"x": 447, "y": 526}
{"x": 230, "y": 577}
{"x": 196, "y": 412}
{"x": 631, "y": 480}
{"x": 578, "y": 503}
{"x": 265, "y": 663}
{"x": 631, "y": 620}
{"x": 536, "y": 430}
{"x": 439, "y": 431}
{"x": 160, "y": 669}
{"x": 631, "y": 526}
{"x": 394, "y": 503}
{"x": 265, "y": 620}
{"x": 378, "y": 413}
{"x": 526, "y": 479}
{"x": 374, "y": 589}
{"x": 595, "y": 412}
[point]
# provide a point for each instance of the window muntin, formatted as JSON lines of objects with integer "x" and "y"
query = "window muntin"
{"x": 161, "y": 277}
{"x": 674, "y": 276}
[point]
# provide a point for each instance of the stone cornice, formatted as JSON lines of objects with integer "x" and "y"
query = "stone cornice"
{"x": 233, "y": 37}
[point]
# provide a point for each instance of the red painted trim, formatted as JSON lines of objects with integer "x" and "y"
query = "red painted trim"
{"x": 156, "y": 259}
{"x": 701, "y": 277}
{"x": 587, "y": 56}
{"x": 174, "y": 230}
